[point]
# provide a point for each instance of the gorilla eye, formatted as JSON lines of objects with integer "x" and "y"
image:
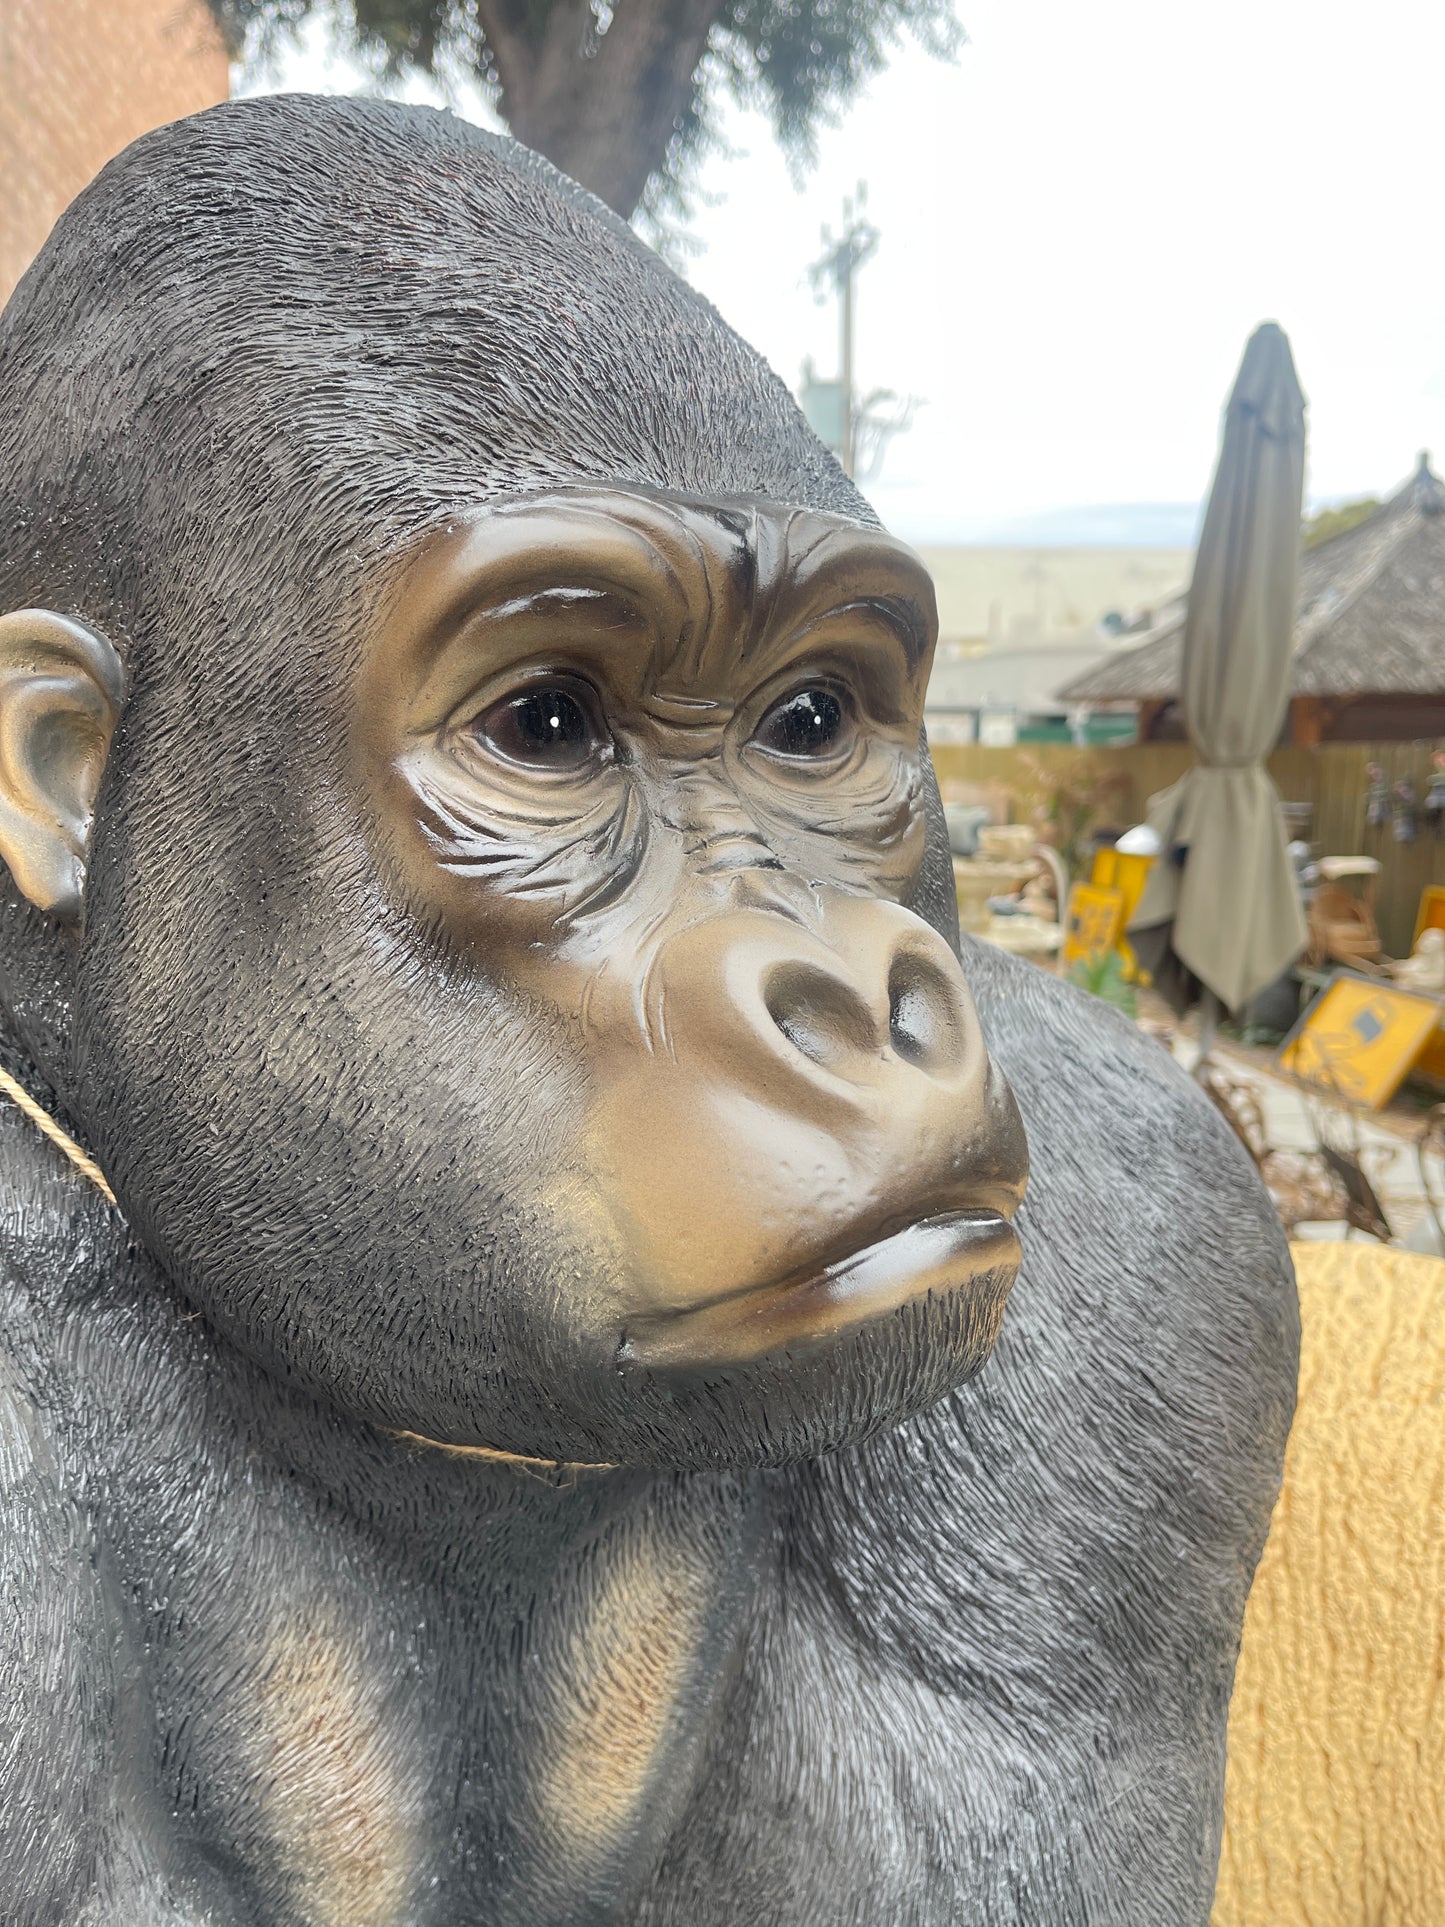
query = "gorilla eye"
{"x": 548, "y": 727}
{"x": 811, "y": 723}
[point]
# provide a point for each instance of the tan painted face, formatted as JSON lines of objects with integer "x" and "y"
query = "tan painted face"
{"x": 657, "y": 764}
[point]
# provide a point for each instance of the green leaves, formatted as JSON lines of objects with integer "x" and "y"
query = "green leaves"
{"x": 1102, "y": 975}
{"x": 802, "y": 61}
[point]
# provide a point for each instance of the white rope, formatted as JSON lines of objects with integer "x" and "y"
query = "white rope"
{"x": 43, "y": 1121}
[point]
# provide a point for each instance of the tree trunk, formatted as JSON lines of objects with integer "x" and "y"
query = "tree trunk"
{"x": 601, "y": 106}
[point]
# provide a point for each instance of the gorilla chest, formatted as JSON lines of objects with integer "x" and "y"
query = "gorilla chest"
{"x": 365, "y": 1740}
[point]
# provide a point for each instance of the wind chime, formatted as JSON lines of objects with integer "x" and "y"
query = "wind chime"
{"x": 1404, "y": 810}
{"x": 1434, "y": 810}
{"x": 1377, "y": 797}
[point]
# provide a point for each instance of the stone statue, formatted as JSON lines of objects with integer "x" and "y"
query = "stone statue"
{"x": 504, "y": 1178}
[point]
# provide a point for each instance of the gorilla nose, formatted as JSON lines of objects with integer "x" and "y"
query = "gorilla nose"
{"x": 868, "y": 1006}
{"x": 803, "y": 1088}
{"x": 846, "y": 1019}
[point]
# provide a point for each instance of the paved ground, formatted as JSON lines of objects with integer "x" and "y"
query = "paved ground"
{"x": 1295, "y": 1122}
{"x": 1386, "y": 1142}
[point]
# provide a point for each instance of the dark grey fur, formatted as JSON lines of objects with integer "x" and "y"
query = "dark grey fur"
{"x": 974, "y": 1669}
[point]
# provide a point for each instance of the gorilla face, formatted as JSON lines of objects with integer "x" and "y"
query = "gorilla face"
{"x": 654, "y": 765}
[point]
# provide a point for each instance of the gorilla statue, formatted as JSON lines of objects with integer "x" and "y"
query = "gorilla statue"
{"x": 485, "y": 1426}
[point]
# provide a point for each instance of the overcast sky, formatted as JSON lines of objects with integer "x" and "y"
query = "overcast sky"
{"x": 1082, "y": 219}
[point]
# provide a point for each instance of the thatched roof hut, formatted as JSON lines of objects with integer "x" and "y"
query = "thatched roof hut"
{"x": 1369, "y": 648}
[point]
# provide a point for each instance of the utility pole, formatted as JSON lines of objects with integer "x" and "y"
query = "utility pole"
{"x": 852, "y": 250}
{"x": 856, "y": 428}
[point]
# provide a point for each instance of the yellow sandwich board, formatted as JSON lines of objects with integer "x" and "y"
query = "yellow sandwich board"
{"x": 1127, "y": 873}
{"x": 1359, "y": 1038}
{"x": 1092, "y": 922}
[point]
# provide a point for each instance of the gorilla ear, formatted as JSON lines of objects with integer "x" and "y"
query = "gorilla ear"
{"x": 61, "y": 686}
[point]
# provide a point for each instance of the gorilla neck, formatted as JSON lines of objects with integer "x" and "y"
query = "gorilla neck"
{"x": 405, "y": 1468}
{"x": 415, "y": 1500}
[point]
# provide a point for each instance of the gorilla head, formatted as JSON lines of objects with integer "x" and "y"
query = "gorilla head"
{"x": 478, "y": 887}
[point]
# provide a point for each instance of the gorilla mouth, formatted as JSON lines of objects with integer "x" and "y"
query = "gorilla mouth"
{"x": 934, "y": 1257}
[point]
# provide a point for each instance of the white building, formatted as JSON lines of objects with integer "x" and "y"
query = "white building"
{"x": 1016, "y": 624}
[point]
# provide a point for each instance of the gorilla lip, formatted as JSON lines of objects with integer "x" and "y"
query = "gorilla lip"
{"x": 936, "y": 1256}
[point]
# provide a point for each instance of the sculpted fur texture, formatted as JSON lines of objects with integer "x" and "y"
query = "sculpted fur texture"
{"x": 548, "y": 1430}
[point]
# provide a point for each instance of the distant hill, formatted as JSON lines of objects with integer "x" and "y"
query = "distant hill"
{"x": 1115, "y": 525}
{"x": 1101, "y": 525}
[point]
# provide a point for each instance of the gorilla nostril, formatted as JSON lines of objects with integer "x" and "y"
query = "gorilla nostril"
{"x": 819, "y": 1014}
{"x": 924, "y": 1019}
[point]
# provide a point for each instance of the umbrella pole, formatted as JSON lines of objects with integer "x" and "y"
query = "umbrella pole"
{"x": 1209, "y": 1011}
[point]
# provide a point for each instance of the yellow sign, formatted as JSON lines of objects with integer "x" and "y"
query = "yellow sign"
{"x": 1092, "y": 922}
{"x": 1358, "y": 1039}
{"x": 1120, "y": 870}
{"x": 1432, "y": 909}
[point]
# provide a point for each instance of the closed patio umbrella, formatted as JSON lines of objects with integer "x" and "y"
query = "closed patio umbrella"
{"x": 1220, "y": 917}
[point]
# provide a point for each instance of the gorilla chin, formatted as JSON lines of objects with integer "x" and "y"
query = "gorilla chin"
{"x": 834, "y": 1380}
{"x": 764, "y": 1376}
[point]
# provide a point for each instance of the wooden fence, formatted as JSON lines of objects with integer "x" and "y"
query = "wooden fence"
{"x": 1330, "y": 778}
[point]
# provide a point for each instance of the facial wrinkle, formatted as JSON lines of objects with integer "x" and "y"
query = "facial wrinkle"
{"x": 781, "y": 893}
{"x": 771, "y": 573}
{"x": 587, "y": 860}
{"x": 862, "y": 831}
{"x": 688, "y": 663}
{"x": 712, "y": 817}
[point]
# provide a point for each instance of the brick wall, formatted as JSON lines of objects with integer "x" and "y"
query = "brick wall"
{"x": 79, "y": 80}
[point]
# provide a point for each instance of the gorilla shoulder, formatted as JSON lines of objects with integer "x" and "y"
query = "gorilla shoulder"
{"x": 1107, "y": 1097}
